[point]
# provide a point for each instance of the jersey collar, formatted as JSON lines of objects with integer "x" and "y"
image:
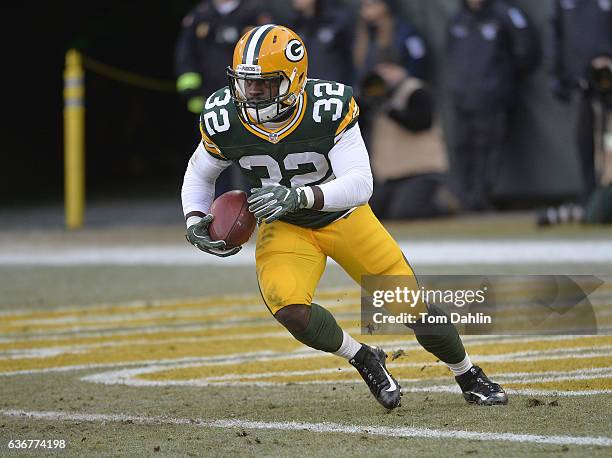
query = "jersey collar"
{"x": 274, "y": 135}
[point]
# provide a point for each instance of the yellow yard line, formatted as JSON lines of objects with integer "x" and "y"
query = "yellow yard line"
{"x": 126, "y": 323}
{"x": 256, "y": 367}
{"x": 495, "y": 349}
{"x": 421, "y": 366}
{"x": 340, "y": 376}
{"x": 76, "y": 339}
{"x": 104, "y": 336}
{"x": 131, "y": 307}
{"x": 308, "y": 373}
{"x": 570, "y": 363}
{"x": 154, "y": 316}
{"x": 145, "y": 353}
{"x": 226, "y": 342}
{"x": 234, "y": 301}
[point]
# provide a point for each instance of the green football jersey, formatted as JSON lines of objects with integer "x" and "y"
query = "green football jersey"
{"x": 296, "y": 154}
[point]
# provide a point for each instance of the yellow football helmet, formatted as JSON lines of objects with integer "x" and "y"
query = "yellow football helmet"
{"x": 268, "y": 73}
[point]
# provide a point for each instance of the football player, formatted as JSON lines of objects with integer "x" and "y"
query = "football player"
{"x": 298, "y": 142}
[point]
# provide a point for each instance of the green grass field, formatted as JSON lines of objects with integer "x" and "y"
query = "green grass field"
{"x": 121, "y": 355}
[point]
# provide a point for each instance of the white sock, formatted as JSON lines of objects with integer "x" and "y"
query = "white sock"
{"x": 462, "y": 367}
{"x": 349, "y": 347}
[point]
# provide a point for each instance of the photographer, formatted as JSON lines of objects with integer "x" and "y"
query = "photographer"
{"x": 407, "y": 154}
{"x": 383, "y": 38}
{"x": 408, "y": 157}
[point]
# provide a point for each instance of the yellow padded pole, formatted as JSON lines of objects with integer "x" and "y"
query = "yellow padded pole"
{"x": 74, "y": 140}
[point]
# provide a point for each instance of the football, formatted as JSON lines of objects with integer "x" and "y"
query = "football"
{"x": 233, "y": 221}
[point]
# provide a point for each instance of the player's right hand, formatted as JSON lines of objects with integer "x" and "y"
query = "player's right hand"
{"x": 197, "y": 234}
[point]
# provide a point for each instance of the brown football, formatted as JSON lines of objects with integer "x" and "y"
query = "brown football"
{"x": 233, "y": 221}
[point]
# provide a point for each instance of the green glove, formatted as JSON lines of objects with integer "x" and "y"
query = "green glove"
{"x": 272, "y": 202}
{"x": 198, "y": 236}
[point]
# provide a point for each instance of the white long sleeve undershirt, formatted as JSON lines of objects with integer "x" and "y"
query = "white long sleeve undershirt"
{"x": 351, "y": 165}
{"x": 349, "y": 160}
{"x": 198, "y": 189}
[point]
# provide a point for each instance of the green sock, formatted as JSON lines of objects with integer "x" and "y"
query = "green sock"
{"x": 322, "y": 332}
{"x": 441, "y": 340}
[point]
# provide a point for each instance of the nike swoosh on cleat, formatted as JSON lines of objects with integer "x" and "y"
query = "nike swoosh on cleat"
{"x": 481, "y": 396}
{"x": 393, "y": 386}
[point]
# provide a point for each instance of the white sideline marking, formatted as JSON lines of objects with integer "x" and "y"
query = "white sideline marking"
{"x": 442, "y": 252}
{"x": 324, "y": 427}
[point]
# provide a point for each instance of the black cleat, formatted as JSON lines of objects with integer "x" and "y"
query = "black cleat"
{"x": 370, "y": 362}
{"x": 478, "y": 389}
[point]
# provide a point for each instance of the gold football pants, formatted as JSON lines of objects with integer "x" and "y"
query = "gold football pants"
{"x": 291, "y": 259}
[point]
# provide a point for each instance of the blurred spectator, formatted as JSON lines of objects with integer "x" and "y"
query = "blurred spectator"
{"x": 328, "y": 32}
{"x": 385, "y": 46}
{"x": 581, "y": 61}
{"x": 407, "y": 153}
{"x": 409, "y": 161}
{"x": 206, "y": 44}
{"x": 491, "y": 47}
{"x": 205, "y": 48}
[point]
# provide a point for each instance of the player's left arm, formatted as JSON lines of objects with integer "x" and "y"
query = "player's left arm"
{"x": 351, "y": 165}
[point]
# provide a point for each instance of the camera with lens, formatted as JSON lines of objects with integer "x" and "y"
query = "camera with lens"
{"x": 374, "y": 91}
{"x": 598, "y": 77}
